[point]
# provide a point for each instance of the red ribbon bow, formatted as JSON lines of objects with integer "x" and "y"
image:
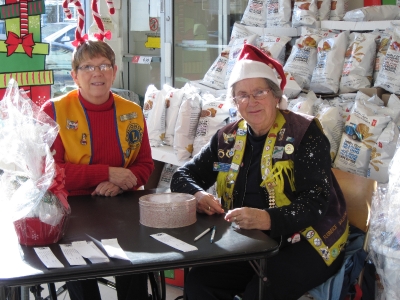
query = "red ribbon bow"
{"x": 13, "y": 41}
{"x": 101, "y": 37}
{"x": 57, "y": 186}
{"x": 80, "y": 41}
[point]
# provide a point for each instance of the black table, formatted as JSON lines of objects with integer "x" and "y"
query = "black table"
{"x": 96, "y": 218}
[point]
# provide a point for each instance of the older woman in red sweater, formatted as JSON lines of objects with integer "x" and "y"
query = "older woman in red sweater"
{"x": 102, "y": 145}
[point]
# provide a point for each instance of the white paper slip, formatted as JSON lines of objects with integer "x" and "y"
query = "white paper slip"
{"x": 114, "y": 249}
{"x": 48, "y": 258}
{"x": 73, "y": 257}
{"x": 173, "y": 242}
{"x": 90, "y": 251}
{"x": 100, "y": 258}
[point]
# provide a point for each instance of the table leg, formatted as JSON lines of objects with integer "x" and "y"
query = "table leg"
{"x": 259, "y": 268}
{"x": 24, "y": 292}
{"x": 9, "y": 293}
{"x": 2, "y": 293}
{"x": 185, "y": 273}
{"x": 52, "y": 291}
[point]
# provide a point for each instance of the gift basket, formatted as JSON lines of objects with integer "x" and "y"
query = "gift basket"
{"x": 384, "y": 232}
{"x": 31, "y": 184}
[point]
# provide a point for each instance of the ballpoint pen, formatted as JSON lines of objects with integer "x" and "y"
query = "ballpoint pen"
{"x": 202, "y": 234}
{"x": 213, "y": 234}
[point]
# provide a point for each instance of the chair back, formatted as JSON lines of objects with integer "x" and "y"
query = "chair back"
{"x": 358, "y": 192}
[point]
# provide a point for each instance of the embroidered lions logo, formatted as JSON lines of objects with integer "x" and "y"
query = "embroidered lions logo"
{"x": 134, "y": 135}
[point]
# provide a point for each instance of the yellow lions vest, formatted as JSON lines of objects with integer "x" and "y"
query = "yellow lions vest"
{"x": 69, "y": 113}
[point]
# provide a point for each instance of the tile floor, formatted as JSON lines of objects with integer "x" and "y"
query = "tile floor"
{"x": 107, "y": 293}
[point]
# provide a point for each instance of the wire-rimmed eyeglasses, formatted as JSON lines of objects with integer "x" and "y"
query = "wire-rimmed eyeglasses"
{"x": 90, "y": 68}
{"x": 257, "y": 95}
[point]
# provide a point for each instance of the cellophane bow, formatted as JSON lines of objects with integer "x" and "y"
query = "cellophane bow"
{"x": 31, "y": 185}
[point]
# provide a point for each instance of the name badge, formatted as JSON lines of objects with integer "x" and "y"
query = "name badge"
{"x": 127, "y": 117}
{"x": 221, "y": 167}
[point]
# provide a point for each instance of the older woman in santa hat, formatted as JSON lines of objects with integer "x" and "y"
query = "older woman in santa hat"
{"x": 274, "y": 174}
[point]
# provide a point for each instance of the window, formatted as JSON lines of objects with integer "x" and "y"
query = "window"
{"x": 2, "y": 30}
{"x": 59, "y": 32}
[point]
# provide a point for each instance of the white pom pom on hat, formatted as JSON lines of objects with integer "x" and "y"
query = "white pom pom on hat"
{"x": 252, "y": 62}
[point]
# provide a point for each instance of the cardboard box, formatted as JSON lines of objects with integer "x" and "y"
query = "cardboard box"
{"x": 373, "y": 91}
{"x": 385, "y": 98}
{"x": 174, "y": 277}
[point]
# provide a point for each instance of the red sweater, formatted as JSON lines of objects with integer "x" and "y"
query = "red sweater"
{"x": 83, "y": 179}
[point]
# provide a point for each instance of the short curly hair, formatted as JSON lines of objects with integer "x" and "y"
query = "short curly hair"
{"x": 92, "y": 49}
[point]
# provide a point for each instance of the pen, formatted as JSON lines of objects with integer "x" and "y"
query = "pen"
{"x": 213, "y": 234}
{"x": 202, "y": 234}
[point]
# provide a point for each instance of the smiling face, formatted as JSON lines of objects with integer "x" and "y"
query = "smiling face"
{"x": 95, "y": 86}
{"x": 259, "y": 114}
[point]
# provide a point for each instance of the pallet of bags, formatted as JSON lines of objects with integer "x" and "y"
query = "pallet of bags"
{"x": 328, "y": 115}
{"x": 373, "y": 13}
{"x": 268, "y": 13}
{"x": 326, "y": 74}
{"x": 389, "y": 72}
{"x": 154, "y": 114}
{"x": 186, "y": 123}
{"x": 166, "y": 176}
{"x": 304, "y": 56}
{"x": 274, "y": 45}
{"x": 359, "y": 61}
{"x": 359, "y": 143}
{"x": 214, "y": 115}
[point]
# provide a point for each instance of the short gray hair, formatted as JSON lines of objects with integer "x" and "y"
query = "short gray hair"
{"x": 275, "y": 90}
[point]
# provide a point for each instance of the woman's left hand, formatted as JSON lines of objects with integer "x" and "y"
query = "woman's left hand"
{"x": 249, "y": 218}
{"x": 122, "y": 177}
{"x": 107, "y": 189}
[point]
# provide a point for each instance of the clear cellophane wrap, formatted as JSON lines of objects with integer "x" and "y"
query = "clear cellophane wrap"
{"x": 31, "y": 184}
{"x": 384, "y": 233}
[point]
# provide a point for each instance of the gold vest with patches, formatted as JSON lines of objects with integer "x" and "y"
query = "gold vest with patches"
{"x": 74, "y": 126}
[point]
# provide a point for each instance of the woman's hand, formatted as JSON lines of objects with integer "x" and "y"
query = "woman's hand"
{"x": 122, "y": 177}
{"x": 249, "y": 218}
{"x": 206, "y": 203}
{"x": 107, "y": 189}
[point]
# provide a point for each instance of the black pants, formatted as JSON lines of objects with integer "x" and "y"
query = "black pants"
{"x": 129, "y": 287}
{"x": 295, "y": 270}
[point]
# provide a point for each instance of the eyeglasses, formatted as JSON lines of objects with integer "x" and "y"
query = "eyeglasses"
{"x": 257, "y": 95}
{"x": 89, "y": 68}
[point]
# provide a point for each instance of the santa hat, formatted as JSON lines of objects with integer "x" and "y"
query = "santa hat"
{"x": 254, "y": 63}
